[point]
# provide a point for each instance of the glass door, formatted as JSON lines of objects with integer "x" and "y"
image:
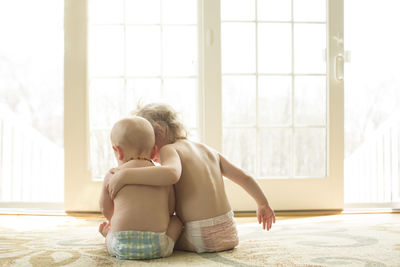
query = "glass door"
{"x": 261, "y": 81}
{"x": 138, "y": 52}
{"x": 372, "y": 114}
{"x": 282, "y": 91}
{"x": 31, "y": 104}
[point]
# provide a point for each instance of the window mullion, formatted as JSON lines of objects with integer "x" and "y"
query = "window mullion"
{"x": 210, "y": 73}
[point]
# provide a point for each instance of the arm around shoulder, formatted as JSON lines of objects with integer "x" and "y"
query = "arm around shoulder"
{"x": 168, "y": 173}
{"x": 170, "y": 163}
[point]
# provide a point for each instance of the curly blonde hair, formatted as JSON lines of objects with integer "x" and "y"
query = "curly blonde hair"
{"x": 162, "y": 116}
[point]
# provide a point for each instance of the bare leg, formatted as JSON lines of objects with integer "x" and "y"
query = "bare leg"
{"x": 184, "y": 244}
{"x": 105, "y": 230}
{"x": 174, "y": 228}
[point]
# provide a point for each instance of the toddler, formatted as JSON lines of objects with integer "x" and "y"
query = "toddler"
{"x": 197, "y": 172}
{"x": 141, "y": 222}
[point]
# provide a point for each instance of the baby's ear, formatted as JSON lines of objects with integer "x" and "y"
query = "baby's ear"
{"x": 159, "y": 131}
{"x": 119, "y": 152}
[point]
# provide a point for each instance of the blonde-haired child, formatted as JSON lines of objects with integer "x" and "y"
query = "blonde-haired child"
{"x": 197, "y": 171}
{"x": 141, "y": 222}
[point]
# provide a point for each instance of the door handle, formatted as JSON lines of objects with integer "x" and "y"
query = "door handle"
{"x": 339, "y": 67}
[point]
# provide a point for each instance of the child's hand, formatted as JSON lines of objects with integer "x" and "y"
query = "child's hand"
{"x": 265, "y": 215}
{"x": 104, "y": 228}
{"x": 115, "y": 184}
{"x": 113, "y": 170}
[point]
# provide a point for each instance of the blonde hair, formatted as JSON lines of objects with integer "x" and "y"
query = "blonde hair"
{"x": 133, "y": 134}
{"x": 164, "y": 116}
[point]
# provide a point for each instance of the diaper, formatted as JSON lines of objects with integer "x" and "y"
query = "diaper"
{"x": 129, "y": 245}
{"x": 214, "y": 234}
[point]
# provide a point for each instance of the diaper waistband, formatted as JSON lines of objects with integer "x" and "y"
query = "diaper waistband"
{"x": 211, "y": 221}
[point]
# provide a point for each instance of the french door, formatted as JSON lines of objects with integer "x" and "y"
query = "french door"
{"x": 282, "y": 92}
{"x": 262, "y": 81}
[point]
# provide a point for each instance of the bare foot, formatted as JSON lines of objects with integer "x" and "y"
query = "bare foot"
{"x": 104, "y": 228}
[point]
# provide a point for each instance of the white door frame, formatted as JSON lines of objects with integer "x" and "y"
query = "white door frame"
{"x": 81, "y": 192}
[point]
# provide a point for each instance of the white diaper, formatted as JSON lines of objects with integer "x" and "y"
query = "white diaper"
{"x": 214, "y": 234}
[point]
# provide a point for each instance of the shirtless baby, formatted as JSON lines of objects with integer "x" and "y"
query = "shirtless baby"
{"x": 141, "y": 222}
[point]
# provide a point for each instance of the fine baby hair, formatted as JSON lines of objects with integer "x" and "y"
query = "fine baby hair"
{"x": 165, "y": 121}
{"x": 134, "y": 133}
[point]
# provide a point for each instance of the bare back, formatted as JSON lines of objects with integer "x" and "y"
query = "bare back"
{"x": 200, "y": 192}
{"x": 142, "y": 207}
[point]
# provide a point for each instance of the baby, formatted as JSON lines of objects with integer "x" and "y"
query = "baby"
{"x": 197, "y": 171}
{"x": 141, "y": 222}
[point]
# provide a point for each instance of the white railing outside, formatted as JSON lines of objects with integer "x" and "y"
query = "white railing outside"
{"x": 31, "y": 166}
{"x": 371, "y": 173}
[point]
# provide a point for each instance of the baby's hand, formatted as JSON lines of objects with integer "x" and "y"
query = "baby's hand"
{"x": 104, "y": 228}
{"x": 113, "y": 170}
{"x": 265, "y": 215}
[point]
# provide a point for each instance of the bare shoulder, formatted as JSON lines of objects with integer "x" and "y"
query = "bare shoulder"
{"x": 168, "y": 147}
{"x": 107, "y": 178}
{"x": 191, "y": 148}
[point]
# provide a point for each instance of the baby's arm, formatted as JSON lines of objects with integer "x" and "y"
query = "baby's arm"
{"x": 264, "y": 212}
{"x": 106, "y": 203}
{"x": 167, "y": 174}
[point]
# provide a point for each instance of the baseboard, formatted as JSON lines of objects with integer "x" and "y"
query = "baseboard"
{"x": 285, "y": 213}
{"x": 322, "y": 212}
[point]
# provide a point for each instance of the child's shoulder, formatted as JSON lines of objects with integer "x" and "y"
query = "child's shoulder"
{"x": 189, "y": 147}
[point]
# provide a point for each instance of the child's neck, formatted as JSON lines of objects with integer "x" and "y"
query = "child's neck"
{"x": 162, "y": 142}
{"x": 134, "y": 156}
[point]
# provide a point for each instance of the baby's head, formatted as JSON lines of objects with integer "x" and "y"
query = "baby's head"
{"x": 132, "y": 137}
{"x": 164, "y": 119}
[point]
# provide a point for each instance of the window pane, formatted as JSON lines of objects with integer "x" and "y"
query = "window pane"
{"x": 310, "y": 100}
{"x": 31, "y": 101}
{"x": 142, "y": 91}
{"x": 239, "y": 146}
{"x": 310, "y": 47}
{"x": 238, "y": 47}
{"x": 238, "y": 10}
{"x": 144, "y": 53}
{"x": 310, "y": 152}
{"x": 309, "y": 10}
{"x": 180, "y": 50}
{"x": 274, "y": 100}
{"x": 239, "y": 100}
{"x": 101, "y": 155}
{"x": 274, "y": 10}
{"x": 106, "y": 11}
{"x": 274, "y": 48}
{"x": 275, "y": 157}
{"x": 143, "y": 50}
{"x": 182, "y": 95}
{"x": 106, "y": 50}
{"x": 372, "y": 101}
{"x": 179, "y": 11}
{"x": 106, "y": 102}
{"x": 142, "y": 12}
